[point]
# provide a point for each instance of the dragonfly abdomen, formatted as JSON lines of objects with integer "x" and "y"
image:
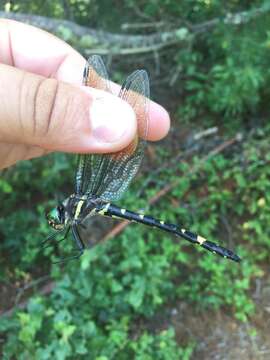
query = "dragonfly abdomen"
{"x": 121, "y": 213}
{"x": 115, "y": 211}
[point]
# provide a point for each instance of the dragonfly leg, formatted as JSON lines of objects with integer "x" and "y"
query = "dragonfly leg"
{"x": 52, "y": 236}
{"x": 77, "y": 255}
{"x": 78, "y": 240}
{"x": 77, "y": 251}
{"x": 114, "y": 211}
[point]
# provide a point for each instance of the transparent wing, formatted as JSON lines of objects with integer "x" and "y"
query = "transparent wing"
{"x": 118, "y": 169}
{"x": 108, "y": 176}
{"x": 94, "y": 75}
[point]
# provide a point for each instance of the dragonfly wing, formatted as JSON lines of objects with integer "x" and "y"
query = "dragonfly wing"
{"x": 121, "y": 167}
{"x": 94, "y": 75}
{"x": 108, "y": 175}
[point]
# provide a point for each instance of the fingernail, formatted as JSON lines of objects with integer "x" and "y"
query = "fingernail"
{"x": 111, "y": 119}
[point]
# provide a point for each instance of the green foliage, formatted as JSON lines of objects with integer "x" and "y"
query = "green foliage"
{"x": 226, "y": 73}
{"x": 97, "y": 300}
{"x": 161, "y": 346}
{"x": 92, "y": 306}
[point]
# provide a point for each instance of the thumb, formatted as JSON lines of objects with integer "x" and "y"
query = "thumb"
{"x": 58, "y": 116}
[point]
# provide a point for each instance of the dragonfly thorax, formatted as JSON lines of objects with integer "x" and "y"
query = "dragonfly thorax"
{"x": 77, "y": 207}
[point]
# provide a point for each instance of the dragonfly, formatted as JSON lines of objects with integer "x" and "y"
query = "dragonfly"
{"x": 102, "y": 179}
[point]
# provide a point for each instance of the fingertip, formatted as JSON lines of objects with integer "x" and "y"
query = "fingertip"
{"x": 106, "y": 123}
{"x": 113, "y": 121}
{"x": 160, "y": 122}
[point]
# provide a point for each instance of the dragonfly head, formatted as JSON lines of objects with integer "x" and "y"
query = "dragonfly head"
{"x": 56, "y": 217}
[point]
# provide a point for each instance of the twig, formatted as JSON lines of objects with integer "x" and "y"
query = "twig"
{"x": 146, "y": 25}
{"x": 194, "y": 168}
{"x": 193, "y": 146}
{"x": 30, "y": 286}
{"x": 206, "y": 132}
{"x": 233, "y": 19}
{"x": 45, "y": 290}
{"x": 225, "y": 222}
{"x": 134, "y": 50}
{"x": 120, "y": 227}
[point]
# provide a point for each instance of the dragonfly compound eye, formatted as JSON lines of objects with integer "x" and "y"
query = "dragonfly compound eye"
{"x": 55, "y": 218}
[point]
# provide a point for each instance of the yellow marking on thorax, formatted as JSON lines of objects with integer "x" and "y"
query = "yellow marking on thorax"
{"x": 183, "y": 230}
{"x": 201, "y": 239}
{"x": 162, "y": 222}
{"x": 123, "y": 211}
{"x": 78, "y": 209}
{"x": 141, "y": 216}
{"x": 104, "y": 210}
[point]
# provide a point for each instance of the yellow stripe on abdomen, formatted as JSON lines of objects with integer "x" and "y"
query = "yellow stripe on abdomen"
{"x": 201, "y": 239}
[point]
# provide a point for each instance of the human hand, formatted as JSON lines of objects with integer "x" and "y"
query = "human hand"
{"x": 44, "y": 108}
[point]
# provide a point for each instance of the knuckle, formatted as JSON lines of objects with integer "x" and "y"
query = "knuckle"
{"x": 45, "y": 106}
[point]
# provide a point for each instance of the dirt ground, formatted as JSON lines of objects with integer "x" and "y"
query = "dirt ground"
{"x": 218, "y": 335}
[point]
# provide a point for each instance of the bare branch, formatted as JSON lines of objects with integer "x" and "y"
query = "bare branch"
{"x": 102, "y": 42}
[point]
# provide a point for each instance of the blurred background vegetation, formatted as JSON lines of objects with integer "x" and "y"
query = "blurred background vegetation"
{"x": 143, "y": 294}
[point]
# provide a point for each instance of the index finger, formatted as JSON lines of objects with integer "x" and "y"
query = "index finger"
{"x": 37, "y": 51}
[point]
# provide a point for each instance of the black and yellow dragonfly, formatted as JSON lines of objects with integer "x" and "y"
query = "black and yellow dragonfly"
{"x": 103, "y": 178}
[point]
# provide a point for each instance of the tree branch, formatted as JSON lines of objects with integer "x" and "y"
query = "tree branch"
{"x": 101, "y": 42}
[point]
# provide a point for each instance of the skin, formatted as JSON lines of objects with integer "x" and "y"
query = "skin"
{"x": 44, "y": 108}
